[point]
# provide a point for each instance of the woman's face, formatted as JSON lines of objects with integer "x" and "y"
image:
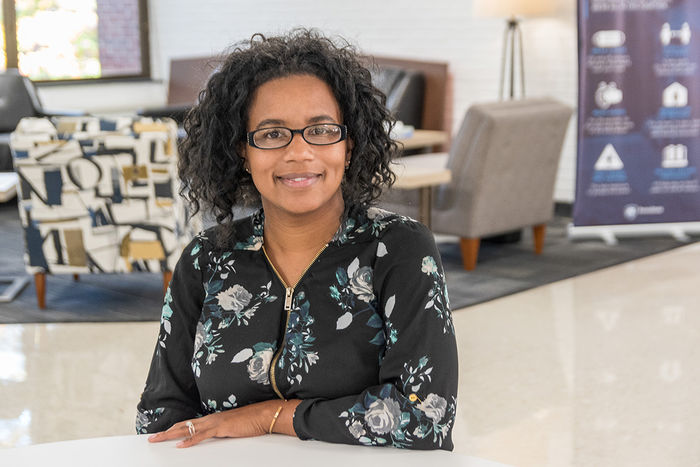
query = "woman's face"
{"x": 299, "y": 178}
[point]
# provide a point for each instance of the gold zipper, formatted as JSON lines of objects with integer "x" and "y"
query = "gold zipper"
{"x": 288, "y": 296}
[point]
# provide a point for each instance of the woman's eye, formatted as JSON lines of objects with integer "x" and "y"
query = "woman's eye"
{"x": 272, "y": 134}
{"x": 321, "y": 130}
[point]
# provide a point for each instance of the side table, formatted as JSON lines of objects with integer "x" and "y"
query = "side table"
{"x": 422, "y": 172}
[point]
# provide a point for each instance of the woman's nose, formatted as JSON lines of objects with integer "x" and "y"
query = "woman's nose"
{"x": 298, "y": 149}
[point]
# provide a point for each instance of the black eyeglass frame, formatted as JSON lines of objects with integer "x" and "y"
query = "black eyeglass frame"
{"x": 300, "y": 131}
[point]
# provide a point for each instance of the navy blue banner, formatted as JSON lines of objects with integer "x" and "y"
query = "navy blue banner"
{"x": 639, "y": 112}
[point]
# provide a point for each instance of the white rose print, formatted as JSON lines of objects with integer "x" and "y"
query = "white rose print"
{"x": 434, "y": 407}
{"x": 383, "y": 416}
{"x": 234, "y": 298}
{"x": 259, "y": 365}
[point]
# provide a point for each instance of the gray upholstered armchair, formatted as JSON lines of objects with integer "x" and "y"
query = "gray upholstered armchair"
{"x": 504, "y": 163}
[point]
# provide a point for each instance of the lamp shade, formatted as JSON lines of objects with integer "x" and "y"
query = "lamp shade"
{"x": 521, "y": 8}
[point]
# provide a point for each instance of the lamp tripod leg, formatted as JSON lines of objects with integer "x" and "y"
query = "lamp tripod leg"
{"x": 501, "y": 81}
{"x": 512, "y": 38}
{"x": 512, "y": 28}
{"x": 522, "y": 62}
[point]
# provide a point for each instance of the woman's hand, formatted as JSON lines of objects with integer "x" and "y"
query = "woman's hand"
{"x": 250, "y": 420}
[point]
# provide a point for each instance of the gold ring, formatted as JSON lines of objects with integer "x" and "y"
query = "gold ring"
{"x": 191, "y": 428}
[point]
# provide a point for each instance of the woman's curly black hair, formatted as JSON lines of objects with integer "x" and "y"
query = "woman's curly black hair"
{"x": 211, "y": 167}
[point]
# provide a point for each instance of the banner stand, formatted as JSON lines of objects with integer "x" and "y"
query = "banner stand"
{"x": 638, "y": 154}
{"x": 610, "y": 233}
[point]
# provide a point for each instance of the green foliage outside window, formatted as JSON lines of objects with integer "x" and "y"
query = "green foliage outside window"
{"x": 65, "y": 39}
{"x": 57, "y": 39}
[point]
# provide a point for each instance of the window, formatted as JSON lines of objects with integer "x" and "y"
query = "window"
{"x": 59, "y": 40}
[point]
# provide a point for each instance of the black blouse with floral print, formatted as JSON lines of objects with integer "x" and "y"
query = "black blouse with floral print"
{"x": 365, "y": 338}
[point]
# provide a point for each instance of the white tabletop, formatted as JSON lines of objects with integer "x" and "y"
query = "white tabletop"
{"x": 421, "y": 170}
{"x": 424, "y": 139}
{"x": 270, "y": 450}
{"x": 8, "y": 186}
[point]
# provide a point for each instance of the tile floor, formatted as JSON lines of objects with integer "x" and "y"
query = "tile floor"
{"x": 599, "y": 370}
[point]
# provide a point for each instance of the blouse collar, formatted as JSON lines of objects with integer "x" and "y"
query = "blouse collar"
{"x": 359, "y": 225}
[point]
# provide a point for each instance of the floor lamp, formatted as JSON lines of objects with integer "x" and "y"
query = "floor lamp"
{"x": 513, "y": 10}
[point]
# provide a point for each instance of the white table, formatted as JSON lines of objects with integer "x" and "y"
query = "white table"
{"x": 270, "y": 450}
{"x": 424, "y": 139}
{"x": 422, "y": 172}
{"x": 8, "y": 186}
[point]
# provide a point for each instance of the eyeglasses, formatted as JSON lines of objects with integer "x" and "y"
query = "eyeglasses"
{"x": 320, "y": 134}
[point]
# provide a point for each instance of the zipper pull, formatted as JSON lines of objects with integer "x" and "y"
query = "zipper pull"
{"x": 289, "y": 294}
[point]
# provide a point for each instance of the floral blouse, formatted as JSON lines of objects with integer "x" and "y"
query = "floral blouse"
{"x": 365, "y": 338}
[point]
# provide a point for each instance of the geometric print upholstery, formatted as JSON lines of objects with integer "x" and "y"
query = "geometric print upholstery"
{"x": 99, "y": 195}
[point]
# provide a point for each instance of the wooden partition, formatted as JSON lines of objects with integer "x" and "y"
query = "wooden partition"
{"x": 189, "y": 75}
{"x": 436, "y": 109}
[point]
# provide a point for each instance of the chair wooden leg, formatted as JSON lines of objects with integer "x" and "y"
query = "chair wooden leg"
{"x": 470, "y": 252}
{"x": 167, "y": 275}
{"x": 538, "y": 232}
{"x": 40, "y": 283}
{"x": 76, "y": 277}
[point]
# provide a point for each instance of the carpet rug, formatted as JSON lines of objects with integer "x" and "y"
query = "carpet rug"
{"x": 503, "y": 269}
{"x": 508, "y": 268}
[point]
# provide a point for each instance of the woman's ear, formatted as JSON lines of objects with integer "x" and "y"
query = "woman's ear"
{"x": 242, "y": 154}
{"x": 348, "y": 153}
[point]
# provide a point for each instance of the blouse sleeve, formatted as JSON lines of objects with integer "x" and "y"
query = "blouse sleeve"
{"x": 414, "y": 404}
{"x": 170, "y": 394}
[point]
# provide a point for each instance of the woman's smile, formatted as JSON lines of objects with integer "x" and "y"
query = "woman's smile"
{"x": 299, "y": 180}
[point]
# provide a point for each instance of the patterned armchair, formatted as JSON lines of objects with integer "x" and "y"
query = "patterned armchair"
{"x": 98, "y": 196}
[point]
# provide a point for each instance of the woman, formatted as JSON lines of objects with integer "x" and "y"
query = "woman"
{"x": 319, "y": 316}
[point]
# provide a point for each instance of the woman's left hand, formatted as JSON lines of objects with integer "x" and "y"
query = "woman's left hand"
{"x": 250, "y": 420}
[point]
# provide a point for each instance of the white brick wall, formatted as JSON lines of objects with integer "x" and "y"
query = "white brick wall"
{"x": 441, "y": 30}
